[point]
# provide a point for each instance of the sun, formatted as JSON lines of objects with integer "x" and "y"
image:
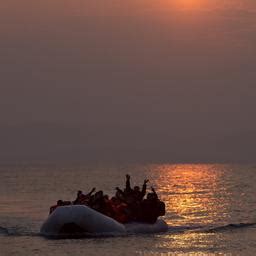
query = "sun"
{"x": 188, "y": 4}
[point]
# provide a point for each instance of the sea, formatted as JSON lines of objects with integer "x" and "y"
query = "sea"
{"x": 210, "y": 208}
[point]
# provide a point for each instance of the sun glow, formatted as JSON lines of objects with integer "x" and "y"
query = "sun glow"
{"x": 185, "y": 4}
{"x": 189, "y": 3}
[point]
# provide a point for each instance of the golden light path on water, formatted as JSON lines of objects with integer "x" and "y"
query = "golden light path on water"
{"x": 192, "y": 191}
{"x": 194, "y": 196}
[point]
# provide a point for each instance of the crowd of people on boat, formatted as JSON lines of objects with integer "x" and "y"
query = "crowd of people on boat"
{"x": 127, "y": 205}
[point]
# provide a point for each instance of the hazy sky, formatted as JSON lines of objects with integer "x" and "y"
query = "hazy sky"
{"x": 142, "y": 80}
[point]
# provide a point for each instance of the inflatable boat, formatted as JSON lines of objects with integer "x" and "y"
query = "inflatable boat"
{"x": 80, "y": 220}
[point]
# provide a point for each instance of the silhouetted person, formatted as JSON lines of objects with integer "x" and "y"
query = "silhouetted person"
{"x": 98, "y": 202}
{"x": 148, "y": 209}
{"x": 120, "y": 194}
{"x": 108, "y": 207}
{"x": 154, "y": 194}
{"x": 134, "y": 197}
{"x": 160, "y": 204}
{"x": 54, "y": 207}
{"x": 151, "y": 208}
{"x": 135, "y": 192}
{"x": 83, "y": 199}
{"x": 66, "y": 203}
{"x": 120, "y": 209}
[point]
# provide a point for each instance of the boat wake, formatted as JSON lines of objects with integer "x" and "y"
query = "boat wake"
{"x": 21, "y": 231}
{"x": 208, "y": 229}
{"x": 231, "y": 227}
{"x": 17, "y": 231}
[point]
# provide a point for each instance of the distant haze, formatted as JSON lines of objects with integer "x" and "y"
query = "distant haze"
{"x": 137, "y": 80}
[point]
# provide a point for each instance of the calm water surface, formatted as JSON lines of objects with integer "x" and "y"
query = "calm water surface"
{"x": 210, "y": 208}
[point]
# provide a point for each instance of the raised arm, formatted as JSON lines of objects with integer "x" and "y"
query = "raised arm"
{"x": 89, "y": 194}
{"x": 144, "y": 188}
{"x": 153, "y": 190}
{"x": 128, "y": 184}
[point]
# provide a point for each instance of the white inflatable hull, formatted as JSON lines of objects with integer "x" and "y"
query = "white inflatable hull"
{"x": 80, "y": 220}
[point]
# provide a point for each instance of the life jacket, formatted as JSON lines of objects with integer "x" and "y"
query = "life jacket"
{"x": 121, "y": 207}
{"x": 83, "y": 199}
{"x": 122, "y": 218}
{"x": 121, "y": 213}
{"x": 109, "y": 208}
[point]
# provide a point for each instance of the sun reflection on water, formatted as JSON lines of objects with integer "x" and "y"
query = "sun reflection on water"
{"x": 196, "y": 197}
{"x": 191, "y": 193}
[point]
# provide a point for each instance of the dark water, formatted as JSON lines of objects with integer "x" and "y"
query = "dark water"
{"x": 211, "y": 209}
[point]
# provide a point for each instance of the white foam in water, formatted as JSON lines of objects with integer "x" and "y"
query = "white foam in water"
{"x": 93, "y": 222}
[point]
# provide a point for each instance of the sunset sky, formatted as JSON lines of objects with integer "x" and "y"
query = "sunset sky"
{"x": 137, "y": 80}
